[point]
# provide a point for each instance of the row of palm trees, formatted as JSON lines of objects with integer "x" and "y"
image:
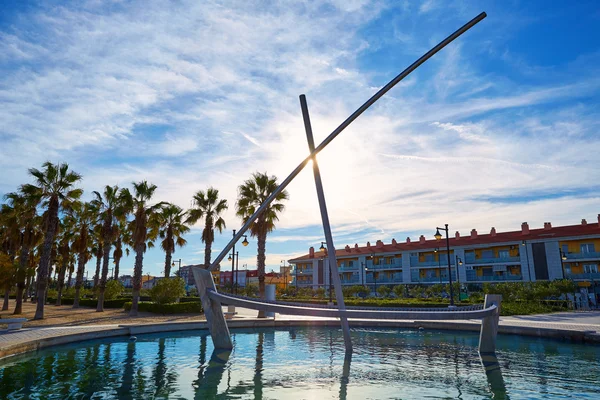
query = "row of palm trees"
{"x": 46, "y": 225}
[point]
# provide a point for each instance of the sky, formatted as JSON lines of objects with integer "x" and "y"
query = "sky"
{"x": 499, "y": 128}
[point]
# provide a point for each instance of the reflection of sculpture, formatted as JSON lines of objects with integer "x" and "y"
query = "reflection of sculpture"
{"x": 494, "y": 376}
{"x": 212, "y": 304}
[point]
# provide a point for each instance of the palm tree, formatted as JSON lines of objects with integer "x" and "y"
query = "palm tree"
{"x": 9, "y": 241}
{"x": 251, "y": 194}
{"x": 171, "y": 226}
{"x": 111, "y": 207}
{"x": 142, "y": 238}
{"x": 64, "y": 255}
{"x": 84, "y": 216}
{"x": 208, "y": 206}
{"x": 55, "y": 184}
{"x": 123, "y": 238}
{"x": 28, "y": 221}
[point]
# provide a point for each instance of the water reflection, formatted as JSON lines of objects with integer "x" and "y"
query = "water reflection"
{"x": 312, "y": 361}
{"x": 493, "y": 372}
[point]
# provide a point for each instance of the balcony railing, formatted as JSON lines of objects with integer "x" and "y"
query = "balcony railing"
{"x": 472, "y": 277}
{"x": 346, "y": 267}
{"x": 302, "y": 282}
{"x": 491, "y": 260}
{"x": 397, "y": 264}
{"x": 307, "y": 271}
{"x": 396, "y": 278}
{"x": 588, "y": 276}
{"x": 353, "y": 280}
{"x": 432, "y": 279}
{"x": 582, "y": 256}
{"x": 414, "y": 262}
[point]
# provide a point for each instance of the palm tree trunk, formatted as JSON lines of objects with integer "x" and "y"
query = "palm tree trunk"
{"x": 79, "y": 278}
{"x": 42, "y": 283}
{"x": 208, "y": 243}
{"x": 21, "y": 278}
{"x": 260, "y": 264}
{"x": 107, "y": 245}
{"x": 99, "y": 254}
{"x": 71, "y": 268}
{"x": 26, "y": 292}
{"x": 6, "y": 297}
{"x": 137, "y": 279}
{"x": 168, "y": 263}
{"x": 61, "y": 282}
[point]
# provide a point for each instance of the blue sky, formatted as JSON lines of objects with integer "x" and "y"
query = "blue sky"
{"x": 499, "y": 128}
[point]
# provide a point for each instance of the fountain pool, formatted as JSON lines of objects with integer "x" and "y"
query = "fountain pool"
{"x": 306, "y": 363}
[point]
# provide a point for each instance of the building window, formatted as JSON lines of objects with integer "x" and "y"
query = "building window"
{"x": 503, "y": 254}
{"x": 587, "y": 248}
{"x": 487, "y": 254}
{"x": 565, "y": 248}
{"x": 590, "y": 268}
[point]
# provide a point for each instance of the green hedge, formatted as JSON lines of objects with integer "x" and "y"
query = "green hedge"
{"x": 172, "y": 308}
{"x": 381, "y": 302}
{"x": 67, "y": 301}
{"x": 189, "y": 300}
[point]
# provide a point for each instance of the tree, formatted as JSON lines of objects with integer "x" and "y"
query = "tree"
{"x": 208, "y": 206}
{"x": 84, "y": 216}
{"x": 111, "y": 206}
{"x": 64, "y": 255}
{"x": 251, "y": 194}
{"x": 171, "y": 226}
{"x": 29, "y": 224}
{"x": 55, "y": 184}
{"x": 123, "y": 239}
{"x": 167, "y": 290}
{"x": 139, "y": 205}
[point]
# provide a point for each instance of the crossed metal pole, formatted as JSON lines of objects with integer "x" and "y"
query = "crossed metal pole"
{"x": 313, "y": 153}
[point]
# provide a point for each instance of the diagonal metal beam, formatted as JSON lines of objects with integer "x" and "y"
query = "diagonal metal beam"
{"x": 343, "y": 126}
{"x": 326, "y": 227}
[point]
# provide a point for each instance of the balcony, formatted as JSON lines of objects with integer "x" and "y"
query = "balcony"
{"x": 414, "y": 262}
{"x": 307, "y": 271}
{"x": 346, "y": 267}
{"x": 432, "y": 279}
{"x": 355, "y": 280}
{"x": 582, "y": 256}
{"x": 302, "y": 282}
{"x": 396, "y": 278}
{"x": 472, "y": 277}
{"x": 380, "y": 266}
{"x": 492, "y": 260}
{"x": 588, "y": 276}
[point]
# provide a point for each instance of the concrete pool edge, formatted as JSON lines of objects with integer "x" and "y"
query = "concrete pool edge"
{"x": 34, "y": 344}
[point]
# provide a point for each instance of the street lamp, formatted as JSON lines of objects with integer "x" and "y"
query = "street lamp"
{"x": 179, "y": 270}
{"x": 563, "y": 257}
{"x": 234, "y": 258}
{"x": 458, "y": 261}
{"x": 322, "y": 248}
{"x": 284, "y": 275}
{"x": 439, "y": 265}
{"x": 438, "y": 237}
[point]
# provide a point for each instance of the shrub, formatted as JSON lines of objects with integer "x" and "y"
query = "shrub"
{"x": 169, "y": 308}
{"x": 167, "y": 290}
{"x": 193, "y": 292}
{"x": 250, "y": 290}
{"x": 399, "y": 291}
{"x": 384, "y": 291}
{"x": 320, "y": 293}
{"x": 114, "y": 288}
{"x": 189, "y": 299}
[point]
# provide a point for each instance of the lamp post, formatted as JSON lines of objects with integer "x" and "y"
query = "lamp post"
{"x": 179, "y": 270}
{"x": 563, "y": 257}
{"x": 458, "y": 261}
{"x": 284, "y": 275}
{"x": 362, "y": 279}
{"x": 438, "y": 237}
{"x": 234, "y": 258}
{"x": 439, "y": 265}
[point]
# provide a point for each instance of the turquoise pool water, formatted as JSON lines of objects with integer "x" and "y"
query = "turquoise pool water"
{"x": 306, "y": 363}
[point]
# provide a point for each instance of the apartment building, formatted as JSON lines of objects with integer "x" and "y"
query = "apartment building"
{"x": 548, "y": 253}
